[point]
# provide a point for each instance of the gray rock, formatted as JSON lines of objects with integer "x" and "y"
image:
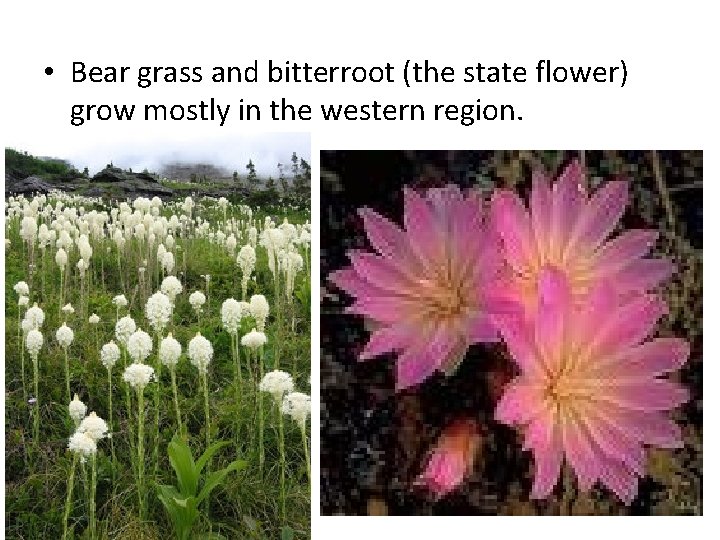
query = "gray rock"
{"x": 115, "y": 174}
{"x": 31, "y": 184}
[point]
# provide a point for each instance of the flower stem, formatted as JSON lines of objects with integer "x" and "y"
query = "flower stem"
{"x": 36, "y": 408}
{"x": 307, "y": 454}
{"x": 68, "y": 497}
{"x": 86, "y": 485}
{"x": 156, "y": 447}
{"x": 110, "y": 421}
{"x": 141, "y": 454}
{"x": 175, "y": 398}
{"x": 128, "y": 407}
{"x": 261, "y": 414}
{"x": 22, "y": 358}
{"x": 203, "y": 380}
{"x": 93, "y": 485}
{"x": 67, "y": 376}
{"x": 281, "y": 434}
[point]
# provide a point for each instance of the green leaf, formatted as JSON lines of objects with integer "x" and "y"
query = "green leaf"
{"x": 215, "y": 478}
{"x": 287, "y": 533}
{"x": 181, "y": 511}
{"x": 208, "y": 455}
{"x": 182, "y": 461}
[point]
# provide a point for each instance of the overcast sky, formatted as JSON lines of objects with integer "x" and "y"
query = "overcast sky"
{"x": 232, "y": 152}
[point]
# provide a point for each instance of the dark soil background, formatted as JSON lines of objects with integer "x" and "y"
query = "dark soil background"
{"x": 373, "y": 441}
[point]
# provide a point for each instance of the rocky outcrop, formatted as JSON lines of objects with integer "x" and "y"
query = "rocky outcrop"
{"x": 133, "y": 185}
{"x": 140, "y": 188}
{"x": 115, "y": 174}
{"x": 31, "y": 184}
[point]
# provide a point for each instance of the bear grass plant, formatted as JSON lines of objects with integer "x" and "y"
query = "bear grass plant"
{"x": 182, "y": 502}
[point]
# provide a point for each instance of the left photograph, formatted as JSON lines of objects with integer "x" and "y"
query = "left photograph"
{"x": 157, "y": 340}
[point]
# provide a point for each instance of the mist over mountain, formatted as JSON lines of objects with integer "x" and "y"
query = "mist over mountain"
{"x": 226, "y": 153}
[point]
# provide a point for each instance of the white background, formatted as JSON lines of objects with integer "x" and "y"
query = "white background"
{"x": 669, "y": 102}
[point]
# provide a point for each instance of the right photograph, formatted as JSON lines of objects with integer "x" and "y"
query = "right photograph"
{"x": 511, "y": 332}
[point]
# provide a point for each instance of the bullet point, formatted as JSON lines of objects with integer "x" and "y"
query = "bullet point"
{"x": 48, "y": 70}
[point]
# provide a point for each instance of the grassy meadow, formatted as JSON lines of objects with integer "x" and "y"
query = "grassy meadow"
{"x": 261, "y": 489}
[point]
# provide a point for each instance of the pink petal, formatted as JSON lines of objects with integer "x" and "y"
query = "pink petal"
{"x": 511, "y": 221}
{"x": 420, "y": 362}
{"x": 518, "y": 404}
{"x": 376, "y": 270}
{"x": 438, "y": 474}
{"x": 482, "y": 330}
{"x": 601, "y": 215}
{"x": 653, "y": 428}
{"x": 620, "y": 480}
{"x": 383, "y": 309}
{"x": 386, "y": 340}
{"x": 645, "y": 274}
{"x": 567, "y": 201}
{"x": 580, "y": 453}
{"x": 349, "y": 281}
{"x": 387, "y": 238}
{"x": 646, "y": 395}
{"x": 517, "y": 336}
{"x": 662, "y": 355}
{"x": 474, "y": 256}
{"x": 623, "y": 250}
{"x": 548, "y": 459}
{"x": 614, "y": 442}
{"x": 422, "y": 228}
{"x": 600, "y": 300}
{"x": 553, "y": 311}
{"x": 541, "y": 208}
{"x": 631, "y": 324}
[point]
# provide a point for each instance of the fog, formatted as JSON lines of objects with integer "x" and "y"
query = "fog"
{"x": 230, "y": 152}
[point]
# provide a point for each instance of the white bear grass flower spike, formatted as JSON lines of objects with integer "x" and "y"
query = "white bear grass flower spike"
{"x": 200, "y": 352}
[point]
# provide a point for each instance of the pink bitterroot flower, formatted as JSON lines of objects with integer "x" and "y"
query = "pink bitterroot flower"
{"x": 452, "y": 458}
{"x": 568, "y": 230}
{"x": 591, "y": 389}
{"x": 429, "y": 289}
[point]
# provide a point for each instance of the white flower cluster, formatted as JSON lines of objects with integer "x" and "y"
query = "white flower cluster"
{"x": 277, "y": 383}
{"x": 64, "y": 336}
{"x": 124, "y": 328}
{"x": 34, "y": 342}
{"x": 77, "y": 410}
{"x": 109, "y": 354}
{"x": 158, "y": 311}
{"x": 231, "y": 313}
{"x": 297, "y": 406}
{"x": 35, "y": 316}
{"x": 168, "y": 261}
{"x": 139, "y": 345}
{"x": 197, "y": 300}
{"x": 171, "y": 286}
{"x": 170, "y": 351}
{"x": 61, "y": 258}
{"x": 138, "y": 375}
{"x": 246, "y": 260}
{"x": 120, "y": 300}
{"x": 94, "y": 319}
{"x": 82, "y": 444}
{"x": 94, "y": 426}
{"x": 254, "y": 339}
{"x": 22, "y": 289}
{"x": 200, "y": 351}
{"x": 90, "y": 429}
{"x": 259, "y": 309}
